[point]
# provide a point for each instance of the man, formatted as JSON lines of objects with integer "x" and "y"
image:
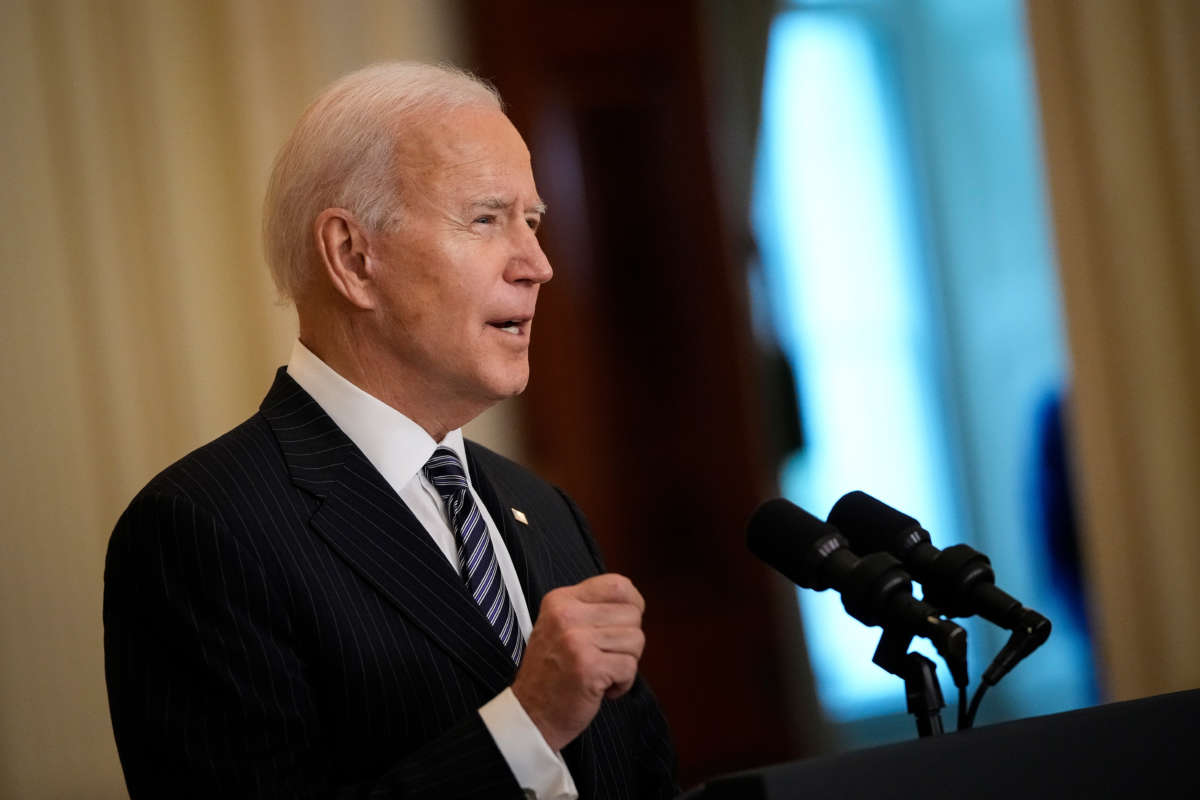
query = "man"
{"x": 340, "y": 597}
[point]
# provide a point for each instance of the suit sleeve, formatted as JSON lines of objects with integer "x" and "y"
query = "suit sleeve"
{"x": 208, "y": 694}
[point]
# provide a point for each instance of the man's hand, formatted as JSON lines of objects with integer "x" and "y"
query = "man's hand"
{"x": 584, "y": 647}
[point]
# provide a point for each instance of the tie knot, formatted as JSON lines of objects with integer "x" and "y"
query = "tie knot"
{"x": 445, "y": 472}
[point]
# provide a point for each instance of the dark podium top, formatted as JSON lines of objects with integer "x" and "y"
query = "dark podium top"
{"x": 1140, "y": 748}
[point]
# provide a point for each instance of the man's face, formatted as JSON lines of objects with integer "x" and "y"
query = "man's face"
{"x": 459, "y": 276}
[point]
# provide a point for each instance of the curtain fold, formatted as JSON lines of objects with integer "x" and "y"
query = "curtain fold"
{"x": 1120, "y": 95}
{"x": 137, "y": 318}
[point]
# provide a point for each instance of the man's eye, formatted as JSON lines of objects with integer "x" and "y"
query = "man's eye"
{"x": 533, "y": 223}
{"x": 486, "y": 219}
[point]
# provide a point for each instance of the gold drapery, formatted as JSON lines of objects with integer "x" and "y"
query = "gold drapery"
{"x": 1120, "y": 96}
{"x": 138, "y": 320}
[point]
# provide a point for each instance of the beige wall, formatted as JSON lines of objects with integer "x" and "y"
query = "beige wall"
{"x": 136, "y": 318}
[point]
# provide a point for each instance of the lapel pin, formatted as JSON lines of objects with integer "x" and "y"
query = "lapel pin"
{"x": 519, "y": 516}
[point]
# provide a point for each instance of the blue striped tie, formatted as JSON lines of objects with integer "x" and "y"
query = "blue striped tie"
{"x": 476, "y": 558}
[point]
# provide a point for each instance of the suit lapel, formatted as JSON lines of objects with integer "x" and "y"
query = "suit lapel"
{"x": 364, "y": 521}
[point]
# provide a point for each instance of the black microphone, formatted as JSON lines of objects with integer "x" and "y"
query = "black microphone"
{"x": 875, "y": 589}
{"x": 958, "y": 581}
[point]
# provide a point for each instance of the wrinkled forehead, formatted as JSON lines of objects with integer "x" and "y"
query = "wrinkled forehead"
{"x": 465, "y": 145}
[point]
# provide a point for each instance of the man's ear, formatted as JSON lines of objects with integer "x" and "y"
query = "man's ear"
{"x": 343, "y": 251}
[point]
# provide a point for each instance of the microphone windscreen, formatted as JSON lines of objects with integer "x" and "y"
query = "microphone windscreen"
{"x": 792, "y": 541}
{"x": 873, "y": 526}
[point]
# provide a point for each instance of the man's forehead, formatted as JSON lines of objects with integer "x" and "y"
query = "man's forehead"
{"x": 441, "y": 148}
{"x": 467, "y": 133}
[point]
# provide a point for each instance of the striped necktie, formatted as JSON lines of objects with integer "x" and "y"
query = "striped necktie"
{"x": 476, "y": 558}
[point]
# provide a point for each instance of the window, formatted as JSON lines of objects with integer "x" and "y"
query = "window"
{"x": 908, "y": 278}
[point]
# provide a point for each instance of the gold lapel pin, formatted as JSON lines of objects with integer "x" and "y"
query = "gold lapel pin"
{"x": 519, "y": 516}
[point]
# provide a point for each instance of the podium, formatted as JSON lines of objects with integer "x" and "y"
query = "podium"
{"x": 1148, "y": 748}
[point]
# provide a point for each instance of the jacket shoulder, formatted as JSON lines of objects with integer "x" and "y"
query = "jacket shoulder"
{"x": 213, "y": 476}
{"x": 513, "y": 478}
{"x": 517, "y": 482}
{"x": 493, "y": 462}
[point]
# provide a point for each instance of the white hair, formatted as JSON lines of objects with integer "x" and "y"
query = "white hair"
{"x": 342, "y": 154}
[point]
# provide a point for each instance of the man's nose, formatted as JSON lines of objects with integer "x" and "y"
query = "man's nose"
{"x": 529, "y": 262}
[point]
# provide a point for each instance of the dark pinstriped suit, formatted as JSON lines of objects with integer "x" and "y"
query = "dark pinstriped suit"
{"x": 278, "y": 624}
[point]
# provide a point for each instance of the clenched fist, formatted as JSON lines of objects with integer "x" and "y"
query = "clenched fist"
{"x": 584, "y": 647}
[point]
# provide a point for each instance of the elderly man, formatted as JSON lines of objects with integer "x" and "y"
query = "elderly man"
{"x": 341, "y": 597}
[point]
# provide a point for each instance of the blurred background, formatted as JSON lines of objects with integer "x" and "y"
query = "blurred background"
{"x": 945, "y": 251}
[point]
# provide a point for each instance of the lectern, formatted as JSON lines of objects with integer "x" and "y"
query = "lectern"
{"x": 1148, "y": 748}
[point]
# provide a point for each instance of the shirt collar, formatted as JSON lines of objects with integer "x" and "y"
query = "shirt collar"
{"x": 393, "y": 443}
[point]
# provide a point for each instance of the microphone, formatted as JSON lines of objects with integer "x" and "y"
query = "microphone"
{"x": 958, "y": 580}
{"x": 874, "y": 589}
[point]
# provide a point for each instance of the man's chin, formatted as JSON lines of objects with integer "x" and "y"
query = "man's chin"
{"x": 511, "y": 384}
{"x": 516, "y": 388}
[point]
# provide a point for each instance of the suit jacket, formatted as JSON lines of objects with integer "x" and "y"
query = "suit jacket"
{"x": 277, "y": 624}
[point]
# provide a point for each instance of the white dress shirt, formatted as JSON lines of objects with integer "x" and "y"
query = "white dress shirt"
{"x": 398, "y": 448}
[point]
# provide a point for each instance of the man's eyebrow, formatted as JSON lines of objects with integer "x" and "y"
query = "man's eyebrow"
{"x": 500, "y": 204}
{"x": 492, "y": 204}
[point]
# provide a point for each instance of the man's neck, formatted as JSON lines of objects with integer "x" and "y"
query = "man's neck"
{"x": 410, "y": 394}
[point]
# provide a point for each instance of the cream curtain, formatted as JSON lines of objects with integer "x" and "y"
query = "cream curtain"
{"x": 1120, "y": 94}
{"x": 137, "y": 318}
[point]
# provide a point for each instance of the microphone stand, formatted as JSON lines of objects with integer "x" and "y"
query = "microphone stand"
{"x": 921, "y": 688}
